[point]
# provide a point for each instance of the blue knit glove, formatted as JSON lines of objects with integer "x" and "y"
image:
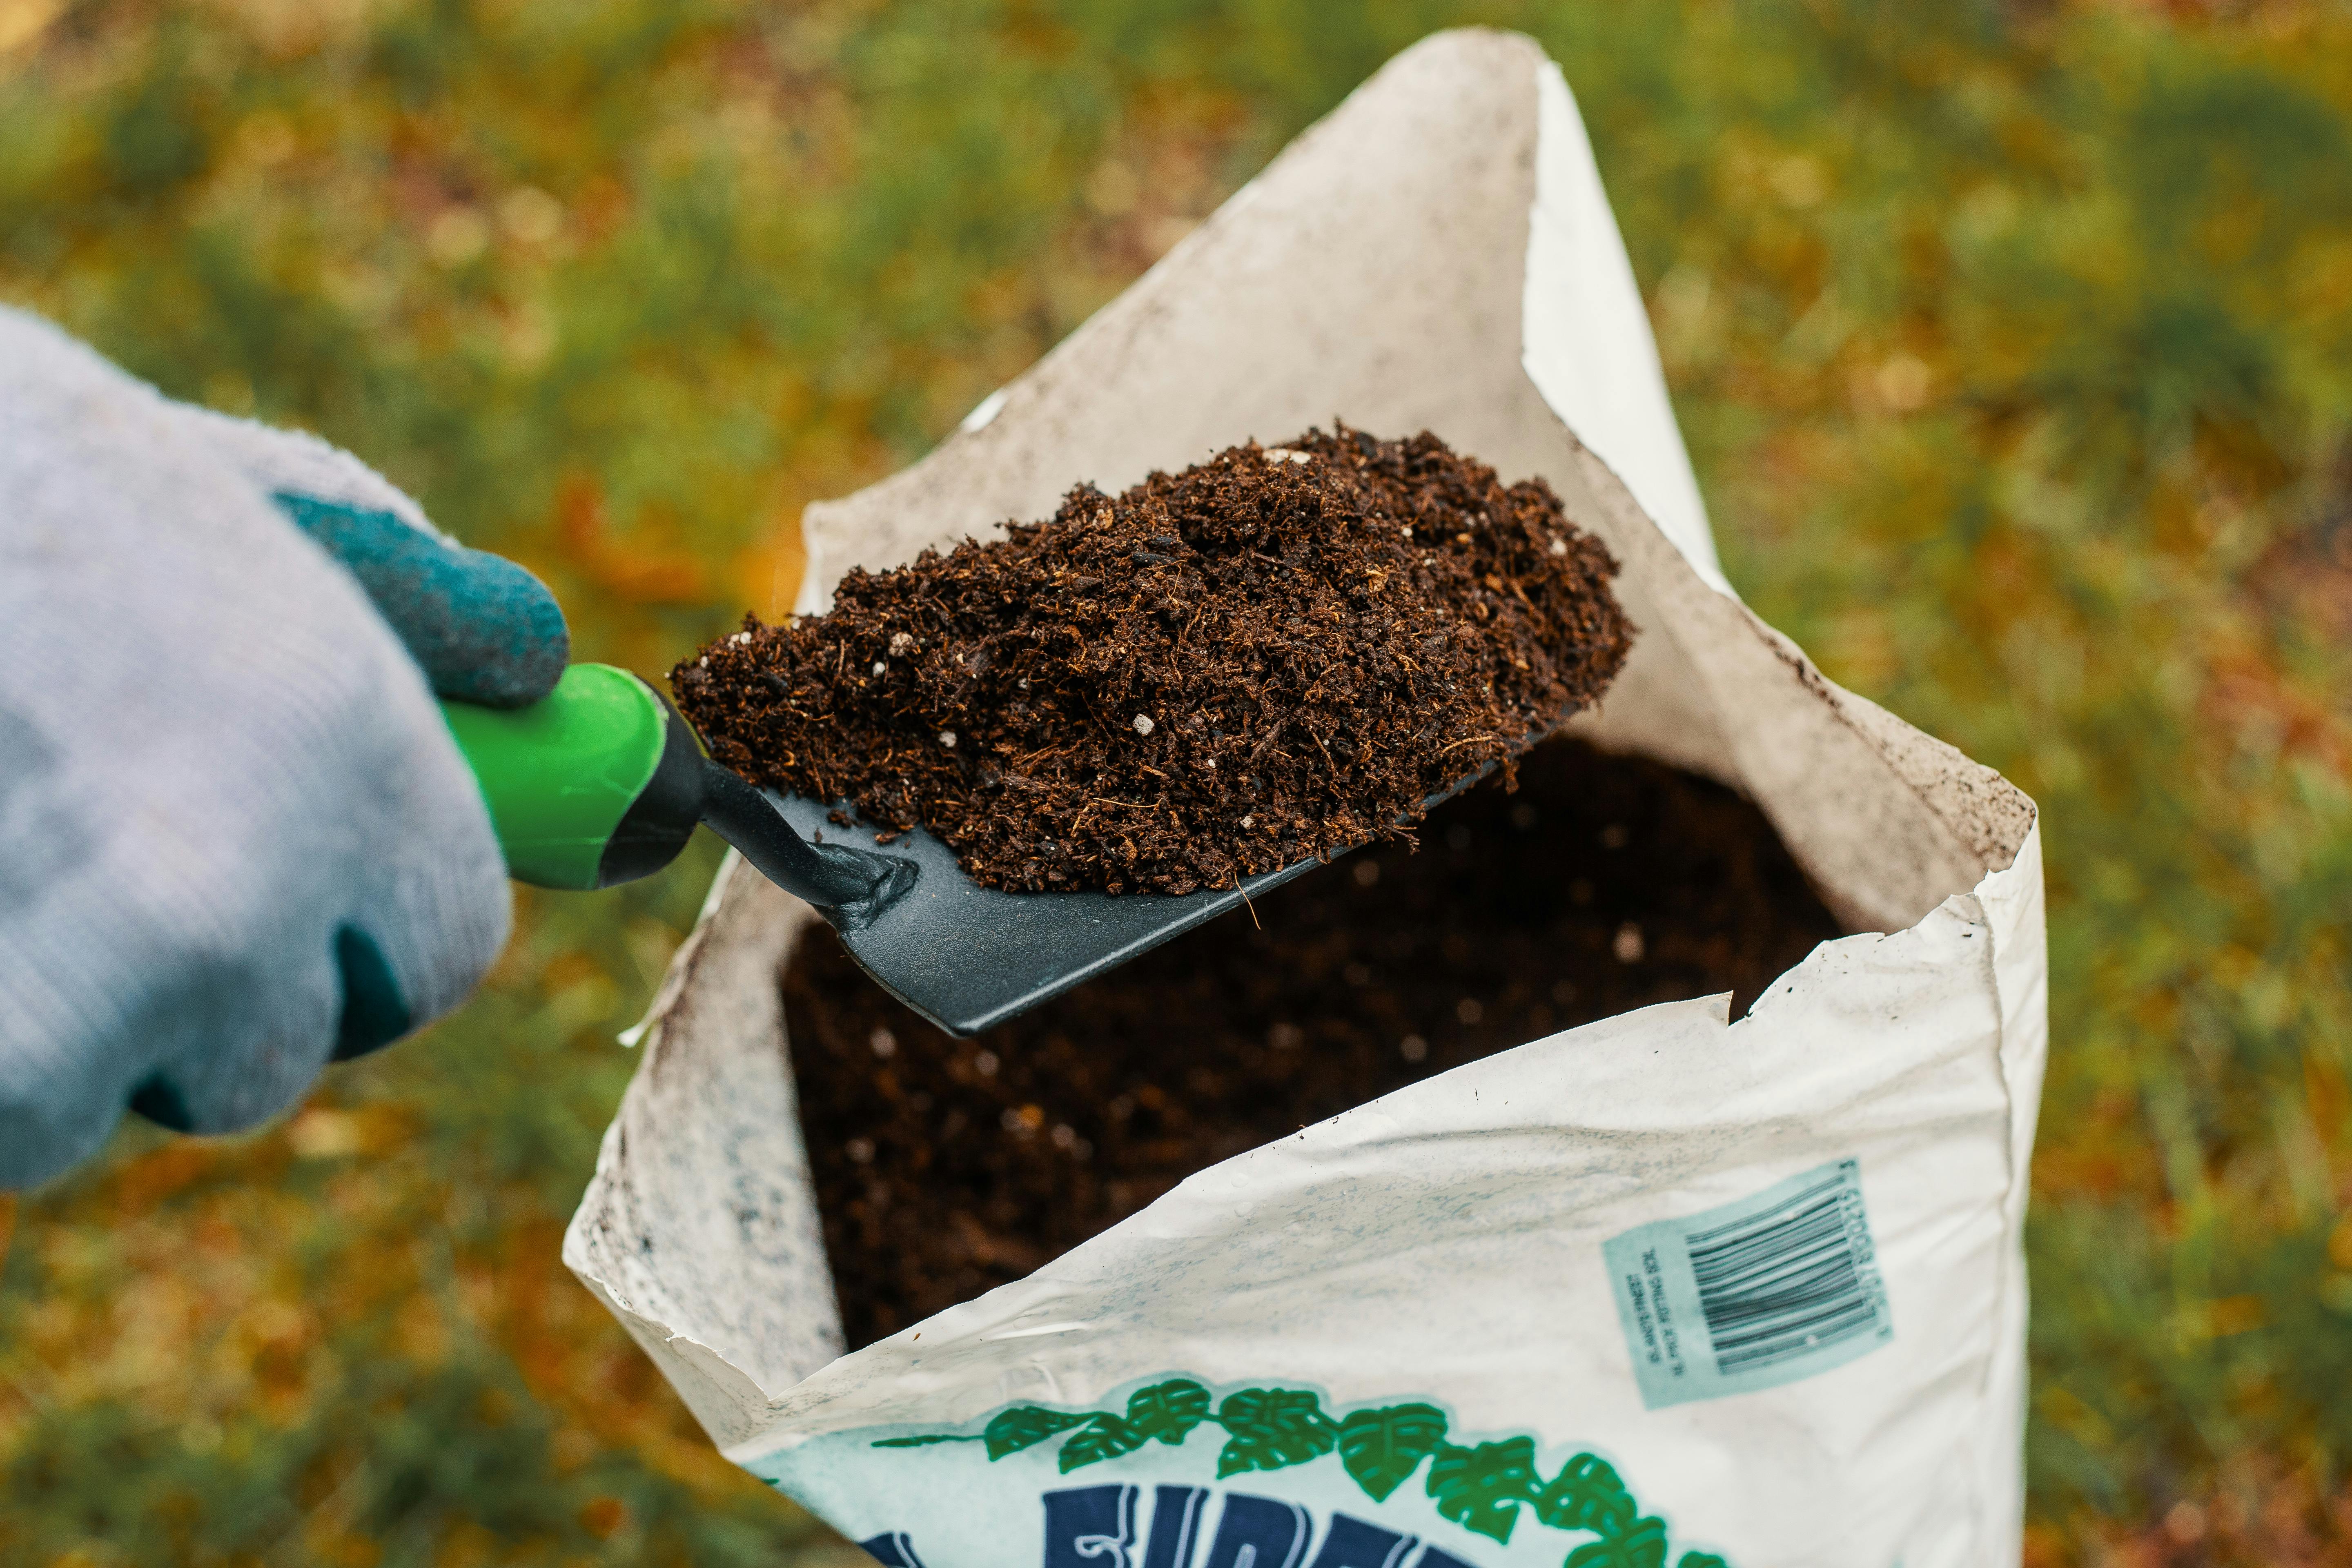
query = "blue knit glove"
{"x": 236, "y": 840}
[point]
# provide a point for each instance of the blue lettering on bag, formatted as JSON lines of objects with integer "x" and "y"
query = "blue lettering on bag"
{"x": 1095, "y": 1527}
{"x": 1430, "y": 1557}
{"x": 1350, "y": 1542}
{"x": 892, "y": 1549}
{"x": 1091, "y": 1527}
{"x": 1257, "y": 1532}
{"x": 1175, "y": 1526}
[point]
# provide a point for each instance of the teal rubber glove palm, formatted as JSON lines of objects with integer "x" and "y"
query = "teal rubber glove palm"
{"x": 236, "y": 840}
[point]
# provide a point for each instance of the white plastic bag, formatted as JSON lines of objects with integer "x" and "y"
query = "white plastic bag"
{"x": 1662, "y": 1287}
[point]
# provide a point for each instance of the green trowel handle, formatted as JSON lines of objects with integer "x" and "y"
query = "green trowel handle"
{"x": 598, "y": 783}
{"x": 602, "y": 782}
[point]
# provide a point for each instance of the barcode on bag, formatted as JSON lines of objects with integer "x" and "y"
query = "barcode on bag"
{"x": 1785, "y": 1282}
{"x": 1754, "y": 1294}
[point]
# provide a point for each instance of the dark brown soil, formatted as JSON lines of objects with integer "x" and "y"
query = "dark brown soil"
{"x": 945, "y": 1167}
{"x": 1275, "y": 654}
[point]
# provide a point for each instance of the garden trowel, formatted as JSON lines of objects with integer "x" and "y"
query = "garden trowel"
{"x": 602, "y": 781}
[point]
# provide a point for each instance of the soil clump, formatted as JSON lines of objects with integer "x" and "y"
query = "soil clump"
{"x": 946, "y": 1167}
{"x": 1272, "y": 655}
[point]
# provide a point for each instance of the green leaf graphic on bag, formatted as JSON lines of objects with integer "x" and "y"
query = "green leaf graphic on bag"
{"x": 1381, "y": 1447}
{"x": 1267, "y": 1428}
{"x": 923, "y": 1442}
{"x": 1642, "y": 1546}
{"x": 1481, "y": 1489}
{"x": 1168, "y": 1411}
{"x": 1106, "y": 1438}
{"x": 1024, "y": 1425}
{"x": 1586, "y": 1495}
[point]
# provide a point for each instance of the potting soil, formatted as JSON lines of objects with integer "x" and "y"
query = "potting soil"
{"x": 1272, "y": 655}
{"x": 945, "y": 1167}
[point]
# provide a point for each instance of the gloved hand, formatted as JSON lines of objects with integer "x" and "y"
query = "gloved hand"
{"x": 236, "y": 840}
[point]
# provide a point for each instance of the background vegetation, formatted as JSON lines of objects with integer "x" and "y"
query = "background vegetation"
{"x": 2014, "y": 345}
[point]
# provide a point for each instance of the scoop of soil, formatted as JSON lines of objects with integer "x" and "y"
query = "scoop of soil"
{"x": 946, "y": 1167}
{"x": 1275, "y": 654}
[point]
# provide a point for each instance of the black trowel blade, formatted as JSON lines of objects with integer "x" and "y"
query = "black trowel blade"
{"x": 968, "y": 957}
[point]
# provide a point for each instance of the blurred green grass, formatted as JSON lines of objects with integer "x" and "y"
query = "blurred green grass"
{"x": 2014, "y": 347}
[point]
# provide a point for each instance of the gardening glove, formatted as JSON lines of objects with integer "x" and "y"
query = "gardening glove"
{"x": 236, "y": 840}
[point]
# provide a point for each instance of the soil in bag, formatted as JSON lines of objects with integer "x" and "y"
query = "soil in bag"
{"x": 945, "y": 1167}
{"x": 1274, "y": 655}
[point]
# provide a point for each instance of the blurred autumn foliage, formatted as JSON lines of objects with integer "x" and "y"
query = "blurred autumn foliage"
{"x": 2014, "y": 346}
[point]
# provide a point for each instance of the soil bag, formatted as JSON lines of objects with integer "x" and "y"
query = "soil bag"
{"x": 1662, "y": 1288}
